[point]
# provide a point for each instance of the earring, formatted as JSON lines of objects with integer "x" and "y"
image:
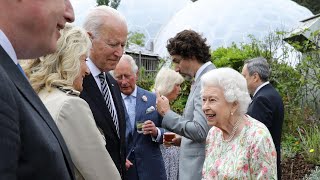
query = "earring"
{"x": 231, "y": 113}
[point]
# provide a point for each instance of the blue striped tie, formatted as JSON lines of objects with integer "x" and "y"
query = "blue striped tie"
{"x": 106, "y": 94}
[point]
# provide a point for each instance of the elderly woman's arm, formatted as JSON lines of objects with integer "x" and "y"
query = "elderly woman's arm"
{"x": 84, "y": 141}
{"x": 263, "y": 162}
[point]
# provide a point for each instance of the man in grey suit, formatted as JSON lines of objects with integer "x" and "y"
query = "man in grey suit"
{"x": 191, "y": 57}
{"x": 31, "y": 146}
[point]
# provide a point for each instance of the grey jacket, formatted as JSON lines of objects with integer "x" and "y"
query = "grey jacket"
{"x": 193, "y": 128}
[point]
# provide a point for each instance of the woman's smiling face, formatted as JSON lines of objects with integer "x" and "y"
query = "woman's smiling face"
{"x": 215, "y": 106}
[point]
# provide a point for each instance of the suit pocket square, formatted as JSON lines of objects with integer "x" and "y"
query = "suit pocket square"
{"x": 150, "y": 109}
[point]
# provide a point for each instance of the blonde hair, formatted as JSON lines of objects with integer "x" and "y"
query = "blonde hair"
{"x": 166, "y": 79}
{"x": 62, "y": 67}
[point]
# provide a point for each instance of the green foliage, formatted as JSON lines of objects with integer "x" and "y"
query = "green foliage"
{"x": 313, "y": 5}
{"x": 179, "y": 104}
{"x": 136, "y": 38}
{"x": 310, "y": 138}
{"x": 314, "y": 175}
{"x": 290, "y": 146}
{"x": 113, "y": 3}
{"x": 145, "y": 81}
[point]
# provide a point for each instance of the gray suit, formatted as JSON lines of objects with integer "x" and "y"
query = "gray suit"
{"x": 192, "y": 125}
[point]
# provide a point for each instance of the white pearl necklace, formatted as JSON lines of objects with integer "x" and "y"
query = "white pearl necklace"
{"x": 233, "y": 132}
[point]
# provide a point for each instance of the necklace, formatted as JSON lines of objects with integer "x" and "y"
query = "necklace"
{"x": 233, "y": 132}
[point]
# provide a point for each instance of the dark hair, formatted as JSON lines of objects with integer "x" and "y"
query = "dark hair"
{"x": 188, "y": 44}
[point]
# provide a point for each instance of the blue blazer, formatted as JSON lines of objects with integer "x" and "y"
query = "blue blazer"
{"x": 31, "y": 146}
{"x": 145, "y": 153}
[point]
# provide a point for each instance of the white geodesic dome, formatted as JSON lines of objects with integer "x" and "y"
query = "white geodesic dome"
{"x": 225, "y": 21}
{"x": 147, "y": 16}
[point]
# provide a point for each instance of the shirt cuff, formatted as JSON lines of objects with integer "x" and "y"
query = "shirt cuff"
{"x": 158, "y": 136}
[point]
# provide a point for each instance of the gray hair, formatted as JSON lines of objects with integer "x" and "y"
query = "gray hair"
{"x": 166, "y": 79}
{"x": 258, "y": 65}
{"x": 129, "y": 59}
{"x": 100, "y": 16}
{"x": 232, "y": 83}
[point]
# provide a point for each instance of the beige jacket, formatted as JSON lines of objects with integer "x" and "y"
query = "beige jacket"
{"x": 84, "y": 141}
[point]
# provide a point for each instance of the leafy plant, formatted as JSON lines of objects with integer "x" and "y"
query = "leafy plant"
{"x": 290, "y": 146}
{"x": 310, "y": 138}
{"x": 314, "y": 175}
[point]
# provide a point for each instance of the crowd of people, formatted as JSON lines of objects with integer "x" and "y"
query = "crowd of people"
{"x": 73, "y": 110}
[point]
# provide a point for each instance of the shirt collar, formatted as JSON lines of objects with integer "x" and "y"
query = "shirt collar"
{"x": 134, "y": 93}
{"x": 93, "y": 68}
{"x": 7, "y": 46}
{"x": 201, "y": 69}
{"x": 261, "y": 86}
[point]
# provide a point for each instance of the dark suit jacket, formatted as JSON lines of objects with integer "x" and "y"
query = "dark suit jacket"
{"x": 146, "y": 155}
{"x": 31, "y": 146}
{"x": 267, "y": 107}
{"x": 102, "y": 116}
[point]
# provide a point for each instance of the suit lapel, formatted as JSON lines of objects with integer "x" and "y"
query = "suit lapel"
{"x": 140, "y": 106}
{"x": 29, "y": 94}
{"x": 93, "y": 89}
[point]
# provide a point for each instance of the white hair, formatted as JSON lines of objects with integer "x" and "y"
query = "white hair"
{"x": 101, "y": 16}
{"x": 232, "y": 83}
{"x": 166, "y": 79}
{"x": 129, "y": 59}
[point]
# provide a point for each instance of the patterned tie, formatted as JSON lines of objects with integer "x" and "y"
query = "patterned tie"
{"x": 106, "y": 94}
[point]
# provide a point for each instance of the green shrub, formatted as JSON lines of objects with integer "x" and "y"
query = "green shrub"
{"x": 310, "y": 138}
{"x": 290, "y": 146}
{"x": 314, "y": 175}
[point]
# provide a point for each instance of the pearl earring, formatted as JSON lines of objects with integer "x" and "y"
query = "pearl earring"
{"x": 231, "y": 113}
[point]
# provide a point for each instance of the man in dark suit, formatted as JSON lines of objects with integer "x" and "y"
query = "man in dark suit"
{"x": 108, "y": 31}
{"x": 266, "y": 105}
{"x": 31, "y": 146}
{"x": 143, "y": 152}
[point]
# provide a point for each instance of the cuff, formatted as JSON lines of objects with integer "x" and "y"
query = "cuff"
{"x": 158, "y": 136}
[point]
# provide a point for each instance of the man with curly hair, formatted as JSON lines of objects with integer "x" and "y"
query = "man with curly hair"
{"x": 191, "y": 57}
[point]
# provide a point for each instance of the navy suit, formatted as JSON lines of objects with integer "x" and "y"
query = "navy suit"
{"x": 267, "y": 107}
{"x": 92, "y": 95}
{"x": 31, "y": 146}
{"x": 145, "y": 153}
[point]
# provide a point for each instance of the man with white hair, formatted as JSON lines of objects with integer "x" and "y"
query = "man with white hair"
{"x": 108, "y": 30}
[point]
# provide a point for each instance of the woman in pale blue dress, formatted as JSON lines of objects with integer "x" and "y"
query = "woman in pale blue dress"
{"x": 167, "y": 83}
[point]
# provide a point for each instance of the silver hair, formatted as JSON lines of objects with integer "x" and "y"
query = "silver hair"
{"x": 258, "y": 65}
{"x": 131, "y": 61}
{"x": 166, "y": 79}
{"x": 233, "y": 84}
{"x": 99, "y": 16}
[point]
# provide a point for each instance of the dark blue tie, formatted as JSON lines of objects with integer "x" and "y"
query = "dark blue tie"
{"x": 20, "y": 68}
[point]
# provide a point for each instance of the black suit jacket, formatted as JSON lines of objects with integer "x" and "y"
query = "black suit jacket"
{"x": 267, "y": 107}
{"x": 102, "y": 116}
{"x": 31, "y": 146}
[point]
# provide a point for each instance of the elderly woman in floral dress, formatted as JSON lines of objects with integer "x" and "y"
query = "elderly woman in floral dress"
{"x": 237, "y": 146}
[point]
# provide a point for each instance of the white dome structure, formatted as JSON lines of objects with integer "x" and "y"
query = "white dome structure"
{"x": 147, "y": 16}
{"x": 223, "y": 22}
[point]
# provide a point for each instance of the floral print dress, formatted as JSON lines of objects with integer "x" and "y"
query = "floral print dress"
{"x": 250, "y": 155}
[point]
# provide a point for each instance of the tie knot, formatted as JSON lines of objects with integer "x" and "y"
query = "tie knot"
{"x": 101, "y": 76}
